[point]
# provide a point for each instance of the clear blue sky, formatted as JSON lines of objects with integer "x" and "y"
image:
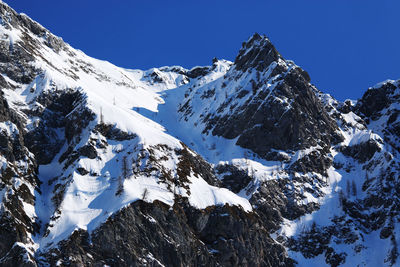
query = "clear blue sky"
{"x": 345, "y": 45}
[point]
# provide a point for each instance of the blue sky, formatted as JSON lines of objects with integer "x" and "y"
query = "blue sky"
{"x": 345, "y": 45}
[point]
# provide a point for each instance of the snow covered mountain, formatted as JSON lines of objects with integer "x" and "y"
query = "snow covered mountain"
{"x": 238, "y": 163}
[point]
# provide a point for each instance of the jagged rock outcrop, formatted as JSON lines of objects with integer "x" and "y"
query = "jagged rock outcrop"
{"x": 18, "y": 180}
{"x": 240, "y": 163}
{"x": 273, "y": 107}
{"x": 158, "y": 235}
{"x": 379, "y": 108}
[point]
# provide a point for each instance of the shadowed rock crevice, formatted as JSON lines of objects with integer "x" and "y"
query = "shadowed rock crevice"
{"x": 61, "y": 117}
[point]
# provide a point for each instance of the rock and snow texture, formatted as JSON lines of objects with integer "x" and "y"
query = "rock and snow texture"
{"x": 88, "y": 108}
{"x": 237, "y": 163}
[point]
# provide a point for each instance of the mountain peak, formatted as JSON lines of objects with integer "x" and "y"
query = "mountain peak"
{"x": 174, "y": 166}
{"x": 258, "y": 52}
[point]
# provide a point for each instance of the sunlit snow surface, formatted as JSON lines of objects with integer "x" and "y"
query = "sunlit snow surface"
{"x": 120, "y": 96}
{"x": 132, "y": 102}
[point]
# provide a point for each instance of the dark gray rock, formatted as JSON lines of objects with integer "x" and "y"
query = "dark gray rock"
{"x": 18, "y": 256}
{"x": 15, "y": 224}
{"x": 265, "y": 121}
{"x": 88, "y": 151}
{"x": 288, "y": 116}
{"x": 362, "y": 152}
{"x": 233, "y": 178}
{"x": 198, "y": 72}
{"x": 375, "y": 99}
{"x": 258, "y": 52}
{"x": 154, "y": 234}
{"x": 63, "y": 111}
{"x": 113, "y": 133}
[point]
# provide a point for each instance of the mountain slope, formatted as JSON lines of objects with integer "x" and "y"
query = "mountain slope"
{"x": 237, "y": 163}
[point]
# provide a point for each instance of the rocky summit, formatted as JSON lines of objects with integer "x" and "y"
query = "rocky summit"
{"x": 242, "y": 163}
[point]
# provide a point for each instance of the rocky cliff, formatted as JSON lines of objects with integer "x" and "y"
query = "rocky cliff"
{"x": 242, "y": 163}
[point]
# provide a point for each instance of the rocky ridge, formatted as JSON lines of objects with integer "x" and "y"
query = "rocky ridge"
{"x": 242, "y": 163}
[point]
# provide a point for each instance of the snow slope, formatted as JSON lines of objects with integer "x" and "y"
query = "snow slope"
{"x": 105, "y": 137}
{"x": 114, "y": 96}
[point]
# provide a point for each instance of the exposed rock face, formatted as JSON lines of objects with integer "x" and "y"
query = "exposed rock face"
{"x": 379, "y": 108}
{"x": 277, "y": 108}
{"x": 377, "y": 99}
{"x": 18, "y": 176}
{"x": 258, "y": 53}
{"x": 17, "y": 58}
{"x": 58, "y": 112}
{"x": 90, "y": 177}
{"x": 12, "y": 146}
{"x": 182, "y": 236}
{"x": 233, "y": 178}
{"x": 364, "y": 151}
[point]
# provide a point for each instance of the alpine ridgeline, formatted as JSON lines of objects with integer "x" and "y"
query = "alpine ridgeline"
{"x": 240, "y": 163}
